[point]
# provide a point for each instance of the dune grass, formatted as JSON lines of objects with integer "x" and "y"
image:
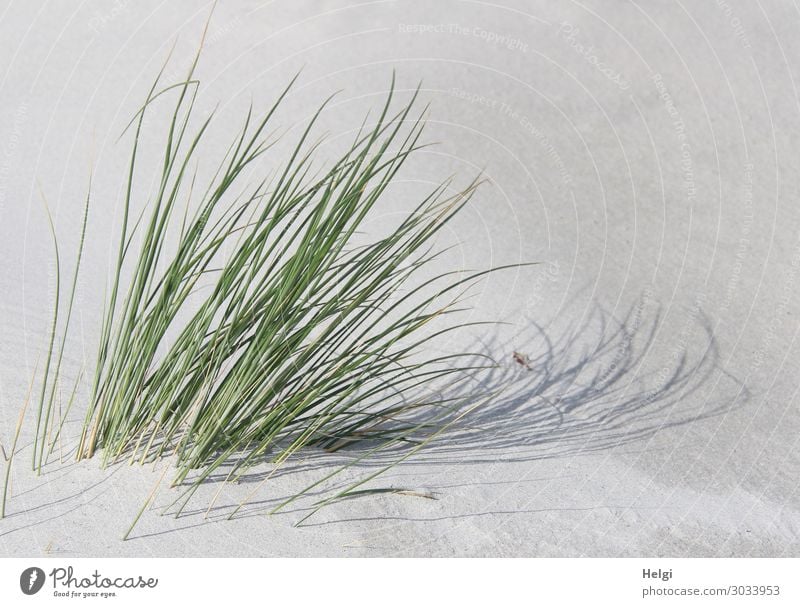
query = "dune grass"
{"x": 246, "y": 321}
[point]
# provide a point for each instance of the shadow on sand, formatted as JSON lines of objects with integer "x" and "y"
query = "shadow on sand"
{"x": 558, "y": 391}
{"x": 561, "y": 391}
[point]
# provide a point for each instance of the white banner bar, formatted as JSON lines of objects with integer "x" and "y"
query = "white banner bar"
{"x": 402, "y": 582}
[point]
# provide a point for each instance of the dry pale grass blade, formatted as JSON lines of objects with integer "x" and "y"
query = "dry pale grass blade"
{"x": 10, "y": 458}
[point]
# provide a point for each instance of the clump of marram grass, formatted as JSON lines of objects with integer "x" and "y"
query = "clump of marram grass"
{"x": 301, "y": 336}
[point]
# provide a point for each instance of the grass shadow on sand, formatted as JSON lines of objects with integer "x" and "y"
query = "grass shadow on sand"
{"x": 589, "y": 386}
{"x": 562, "y": 391}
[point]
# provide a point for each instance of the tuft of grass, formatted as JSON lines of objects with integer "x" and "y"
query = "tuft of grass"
{"x": 248, "y": 320}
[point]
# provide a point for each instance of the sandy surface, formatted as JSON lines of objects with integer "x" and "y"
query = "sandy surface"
{"x": 644, "y": 152}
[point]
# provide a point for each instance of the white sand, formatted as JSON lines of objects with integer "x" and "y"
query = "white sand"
{"x": 670, "y": 201}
